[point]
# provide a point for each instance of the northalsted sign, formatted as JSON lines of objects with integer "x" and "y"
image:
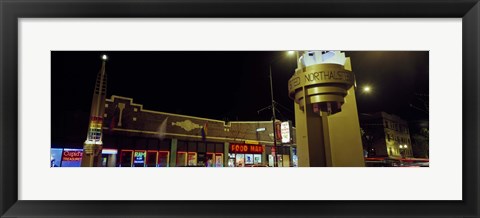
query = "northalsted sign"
{"x": 318, "y": 74}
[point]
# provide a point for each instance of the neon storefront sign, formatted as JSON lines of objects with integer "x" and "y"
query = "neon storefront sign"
{"x": 69, "y": 155}
{"x": 243, "y": 148}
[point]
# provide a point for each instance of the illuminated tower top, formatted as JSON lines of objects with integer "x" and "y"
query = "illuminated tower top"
{"x": 310, "y": 58}
{"x": 321, "y": 80}
{"x": 94, "y": 135}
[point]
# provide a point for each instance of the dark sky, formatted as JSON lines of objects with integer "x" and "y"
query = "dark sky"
{"x": 229, "y": 85}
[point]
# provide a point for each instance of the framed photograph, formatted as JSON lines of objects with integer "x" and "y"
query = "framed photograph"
{"x": 142, "y": 108}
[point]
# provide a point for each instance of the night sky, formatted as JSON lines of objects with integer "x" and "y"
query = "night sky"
{"x": 228, "y": 85}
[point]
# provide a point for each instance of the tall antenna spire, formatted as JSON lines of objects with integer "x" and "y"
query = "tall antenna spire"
{"x": 92, "y": 148}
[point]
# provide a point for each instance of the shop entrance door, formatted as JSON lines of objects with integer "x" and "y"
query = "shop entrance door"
{"x": 126, "y": 158}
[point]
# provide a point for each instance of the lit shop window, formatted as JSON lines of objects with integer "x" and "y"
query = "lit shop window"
{"x": 218, "y": 160}
{"x": 257, "y": 159}
{"x": 231, "y": 160}
{"x": 249, "y": 159}
{"x": 71, "y": 157}
{"x": 210, "y": 159}
{"x": 192, "y": 158}
{"x": 56, "y": 157}
{"x": 270, "y": 160}
{"x": 104, "y": 161}
{"x": 279, "y": 160}
{"x": 240, "y": 160}
{"x": 181, "y": 159}
{"x": 286, "y": 160}
{"x": 139, "y": 158}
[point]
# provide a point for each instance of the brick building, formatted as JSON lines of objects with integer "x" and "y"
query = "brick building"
{"x": 385, "y": 135}
{"x": 137, "y": 137}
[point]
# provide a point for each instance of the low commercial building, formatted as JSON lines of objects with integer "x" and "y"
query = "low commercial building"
{"x": 138, "y": 137}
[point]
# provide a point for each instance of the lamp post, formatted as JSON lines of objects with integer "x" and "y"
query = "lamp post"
{"x": 275, "y": 161}
{"x": 403, "y": 149}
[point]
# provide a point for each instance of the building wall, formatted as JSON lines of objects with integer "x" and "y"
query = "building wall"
{"x": 135, "y": 121}
{"x": 130, "y": 127}
{"x": 345, "y": 135}
{"x": 389, "y": 132}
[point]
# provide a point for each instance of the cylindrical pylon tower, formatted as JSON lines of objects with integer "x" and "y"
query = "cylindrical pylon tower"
{"x": 92, "y": 147}
{"x": 328, "y": 132}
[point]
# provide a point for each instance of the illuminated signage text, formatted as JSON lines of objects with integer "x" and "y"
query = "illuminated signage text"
{"x": 242, "y": 148}
{"x": 72, "y": 155}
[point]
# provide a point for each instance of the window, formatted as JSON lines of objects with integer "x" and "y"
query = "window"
{"x": 192, "y": 158}
{"x": 257, "y": 159}
{"x": 163, "y": 158}
{"x": 218, "y": 160}
{"x": 151, "y": 159}
{"x": 126, "y": 158}
{"x": 139, "y": 158}
{"x": 181, "y": 159}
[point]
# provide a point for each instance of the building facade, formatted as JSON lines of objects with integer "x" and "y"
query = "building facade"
{"x": 385, "y": 135}
{"x": 137, "y": 137}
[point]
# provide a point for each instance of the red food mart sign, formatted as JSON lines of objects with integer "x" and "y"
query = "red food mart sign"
{"x": 242, "y": 148}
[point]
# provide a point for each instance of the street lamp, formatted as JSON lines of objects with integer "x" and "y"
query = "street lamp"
{"x": 367, "y": 89}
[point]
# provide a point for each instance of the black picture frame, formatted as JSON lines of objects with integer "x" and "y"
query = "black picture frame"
{"x": 11, "y": 11}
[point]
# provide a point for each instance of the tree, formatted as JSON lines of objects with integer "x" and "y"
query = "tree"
{"x": 420, "y": 140}
{"x": 369, "y": 136}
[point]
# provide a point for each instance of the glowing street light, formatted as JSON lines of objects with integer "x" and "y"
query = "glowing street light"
{"x": 291, "y": 52}
{"x": 104, "y": 57}
{"x": 367, "y": 89}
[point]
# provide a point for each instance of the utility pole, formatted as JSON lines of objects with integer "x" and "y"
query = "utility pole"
{"x": 275, "y": 164}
